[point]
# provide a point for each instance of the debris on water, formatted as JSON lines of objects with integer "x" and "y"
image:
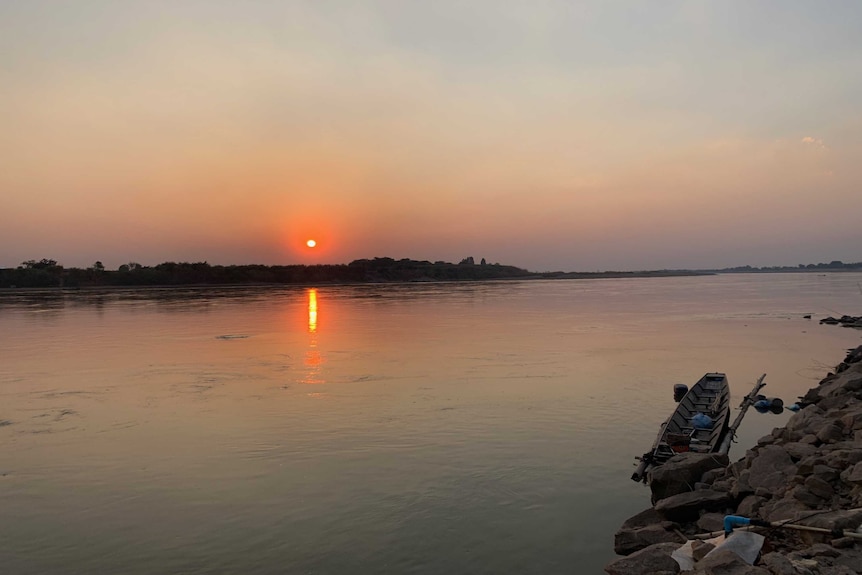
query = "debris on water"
{"x": 769, "y": 404}
{"x": 844, "y": 320}
{"x": 63, "y": 413}
{"x": 231, "y": 336}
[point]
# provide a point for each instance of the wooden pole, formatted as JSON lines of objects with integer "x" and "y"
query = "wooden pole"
{"x": 782, "y": 525}
{"x": 747, "y": 402}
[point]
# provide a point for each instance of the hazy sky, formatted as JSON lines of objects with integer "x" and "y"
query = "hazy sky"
{"x": 552, "y": 135}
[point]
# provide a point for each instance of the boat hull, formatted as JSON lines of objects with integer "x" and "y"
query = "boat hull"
{"x": 698, "y": 424}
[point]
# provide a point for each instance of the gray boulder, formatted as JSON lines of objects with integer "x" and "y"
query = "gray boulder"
{"x": 687, "y": 506}
{"x": 710, "y": 522}
{"x": 855, "y": 474}
{"x": 778, "y": 564}
{"x": 628, "y": 541}
{"x": 840, "y": 519}
{"x": 819, "y": 487}
{"x": 680, "y": 473}
{"x": 805, "y": 496}
{"x": 824, "y": 472}
{"x": 853, "y": 420}
{"x": 845, "y": 383}
{"x": 831, "y": 432}
{"x": 850, "y": 558}
{"x": 771, "y": 469}
{"x": 713, "y": 474}
{"x": 726, "y": 562}
{"x": 654, "y": 559}
{"x": 807, "y": 420}
{"x": 642, "y": 530}
{"x": 749, "y": 506}
{"x": 799, "y": 450}
{"x": 783, "y": 509}
{"x": 842, "y": 457}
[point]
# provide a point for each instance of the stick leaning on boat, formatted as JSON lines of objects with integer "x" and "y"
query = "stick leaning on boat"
{"x": 743, "y": 407}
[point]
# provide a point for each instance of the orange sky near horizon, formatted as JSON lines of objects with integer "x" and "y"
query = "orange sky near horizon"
{"x": 548, "y": 135}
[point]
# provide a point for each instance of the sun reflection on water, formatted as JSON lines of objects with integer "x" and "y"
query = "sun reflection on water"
{"x": 313, "y": 358}
{"x": 312, "y": 310}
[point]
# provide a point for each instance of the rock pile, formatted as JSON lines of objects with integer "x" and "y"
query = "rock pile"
{"x": 844, "y": 321}
{"x": 807, "y": 473}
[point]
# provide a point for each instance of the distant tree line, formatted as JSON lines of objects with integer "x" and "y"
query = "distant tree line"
{"x": 833, "y": 265}
{"x": 47, "y": 273}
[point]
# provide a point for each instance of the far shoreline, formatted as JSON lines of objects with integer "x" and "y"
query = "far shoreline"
{"x": 553, "y": 276}
{"x": 48, "y": 277}
{"x": 550, "y": 276}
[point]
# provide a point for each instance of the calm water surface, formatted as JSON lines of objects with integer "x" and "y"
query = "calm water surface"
{"x": 427, "y": 428}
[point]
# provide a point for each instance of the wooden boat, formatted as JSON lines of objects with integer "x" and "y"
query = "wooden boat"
{"x": 698, "y": 424}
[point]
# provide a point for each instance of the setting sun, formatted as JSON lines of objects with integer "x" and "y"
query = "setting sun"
{"x": 311, "y": 243}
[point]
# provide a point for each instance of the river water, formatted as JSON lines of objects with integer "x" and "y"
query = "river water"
{"x": 422, "y": 428}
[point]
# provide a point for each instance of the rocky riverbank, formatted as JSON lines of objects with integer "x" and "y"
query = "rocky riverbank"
{"x": 807, "y": 473}
{"x": 844, "y": 321}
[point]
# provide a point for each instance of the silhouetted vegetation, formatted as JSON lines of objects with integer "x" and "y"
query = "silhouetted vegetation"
{"x": 612, "y": 274}
{"x": 48, "y": 273}
{"x": 834, "y": 265}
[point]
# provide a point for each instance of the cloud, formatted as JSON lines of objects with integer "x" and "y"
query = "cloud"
{"x": 811, "y": 141}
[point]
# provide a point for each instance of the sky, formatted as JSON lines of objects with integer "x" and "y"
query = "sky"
{"x": 551, "y": 135}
